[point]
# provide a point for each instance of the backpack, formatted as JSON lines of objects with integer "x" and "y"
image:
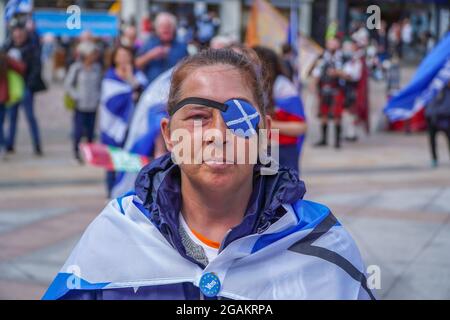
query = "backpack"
{"x": 16, "y": 88}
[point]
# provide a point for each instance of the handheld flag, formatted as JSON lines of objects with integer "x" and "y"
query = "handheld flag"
{"x": 112, "y": 158}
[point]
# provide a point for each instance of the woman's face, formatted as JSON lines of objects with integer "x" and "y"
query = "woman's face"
{"x": 214, "y": 169}
{"x": 123, "y": 57}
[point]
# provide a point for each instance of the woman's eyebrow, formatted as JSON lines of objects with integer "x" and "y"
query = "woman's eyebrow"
{"x": 194, "y": 107}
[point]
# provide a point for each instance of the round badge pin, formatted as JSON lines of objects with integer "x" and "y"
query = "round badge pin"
{"x": 210, "y": 284}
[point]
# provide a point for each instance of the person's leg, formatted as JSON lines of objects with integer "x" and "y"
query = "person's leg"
{"x": 13, "y": 113}
{"x": 338, "y": 109}
{"x": 110, "y": 178}
{"x": 2, "y": 120}
{"x": 337, "y": 137}
{"x": 448, "y": 135}
{"x": 77, "y": 132}
{"x": 28, "y": 104}
{"x": 323, "y": 114}
{"x": 432, "y": 138}
{"x": 90, "y": 126}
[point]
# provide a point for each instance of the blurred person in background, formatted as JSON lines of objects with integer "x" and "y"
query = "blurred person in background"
{"x": 220, "y": 42}
{"x": 162, "y": 51}
{"x": 331, "y": 96}
{"x": 82, "y": 83}
{"x": 7, "y": 96}
{"x": 120, "y": 90}
{"x": 207, "y": 26}
{"x": 129, "y": 38}
{"x": 22, "y": 48}
{"x": 349, "y": 77}
{"x": 394, "y": 39}
{"x": 437, "y": 114}
{"x": 407, "y": 38}
{"x": 284, "y": 106}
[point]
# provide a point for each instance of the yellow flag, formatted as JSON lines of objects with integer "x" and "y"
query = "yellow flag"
{"x": 115, "y": 8}
{"x": 266, "y": 26}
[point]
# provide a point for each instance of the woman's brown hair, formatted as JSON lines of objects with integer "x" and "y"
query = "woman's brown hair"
{"x": 112, "y": 61}
{"x": 244, "y": 61}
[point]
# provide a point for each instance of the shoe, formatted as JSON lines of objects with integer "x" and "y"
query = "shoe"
{"x": 10, "y": 149}
{"x": 38, "y": 152}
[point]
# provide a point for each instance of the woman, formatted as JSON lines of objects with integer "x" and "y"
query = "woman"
{"x": 120, "y": 90}
{"x": 83, "y": 84}
{"x": 213, "y": 229}
{"x": 7, "y": 64}
{"x": 286, "y": 108}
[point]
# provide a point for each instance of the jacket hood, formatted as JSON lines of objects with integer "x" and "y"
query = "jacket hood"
{"x": 158, "y": 186}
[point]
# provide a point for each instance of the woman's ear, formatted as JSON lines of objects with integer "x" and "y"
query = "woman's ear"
{"x": 165, "y": 132}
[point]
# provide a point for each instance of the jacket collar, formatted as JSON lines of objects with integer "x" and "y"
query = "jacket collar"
{"x": 158, "y": 186}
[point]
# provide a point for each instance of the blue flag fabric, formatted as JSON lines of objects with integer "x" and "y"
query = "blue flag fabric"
{"x": 407, "y": 102}
{"x": 116, "y": 108}
{"x": 145, "y": 127}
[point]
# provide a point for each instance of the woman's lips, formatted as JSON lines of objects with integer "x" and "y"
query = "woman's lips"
{"x": 218, "y": 163}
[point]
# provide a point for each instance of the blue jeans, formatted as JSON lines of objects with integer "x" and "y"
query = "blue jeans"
{"x": 28, "y": 106}
{"x": 84, "y": 125}
{"x": 2, "y": 120}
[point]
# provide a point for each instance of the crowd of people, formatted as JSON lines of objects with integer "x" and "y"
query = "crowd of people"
{"x": 106, "y": 84}
{"x": 104, "y": 78}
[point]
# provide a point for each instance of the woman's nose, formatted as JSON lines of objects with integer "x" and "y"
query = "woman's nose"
{"x": 219, "y": 126}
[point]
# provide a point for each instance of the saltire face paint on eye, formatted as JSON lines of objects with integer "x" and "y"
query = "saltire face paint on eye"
{"x": 238, "y": 114}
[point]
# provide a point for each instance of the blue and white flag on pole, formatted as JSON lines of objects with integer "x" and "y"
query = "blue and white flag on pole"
{"x": 145, "y": 127}
{"x": 14, "y": 7}
{"x": 410, "y": 100}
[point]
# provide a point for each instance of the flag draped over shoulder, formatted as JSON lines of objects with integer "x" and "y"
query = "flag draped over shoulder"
{"x": 145, "y": 127}
{"x": 266, "y": 26}
{"x": 410, "y": 100}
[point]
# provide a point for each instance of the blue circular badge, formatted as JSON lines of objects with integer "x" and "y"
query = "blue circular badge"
{"x": 210, "y": 284}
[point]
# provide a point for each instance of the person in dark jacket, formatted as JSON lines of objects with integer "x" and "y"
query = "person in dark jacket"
{"x": 215, "y": 228}
{"x": 437, "y": 114}
{"x": 24, "y": 49}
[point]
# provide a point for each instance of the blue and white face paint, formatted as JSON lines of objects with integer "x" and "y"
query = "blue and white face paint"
{"x": 239, "y": 115}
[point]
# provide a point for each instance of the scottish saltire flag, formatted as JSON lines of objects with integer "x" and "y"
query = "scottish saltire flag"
{"x": 241, "y": 117}
{"x": 116, "y": 108}
{"x": 306, "y": 254}
{"x": 409, "y": 101}
{"x": 14, "y": 7}
{"x": 145, "y": 127}
{"x": 288, "y": 103}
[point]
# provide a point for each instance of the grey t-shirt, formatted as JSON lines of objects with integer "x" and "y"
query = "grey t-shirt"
{"x": 84, "y": 85}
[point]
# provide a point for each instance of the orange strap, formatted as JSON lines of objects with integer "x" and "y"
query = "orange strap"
{"x": 209, "y": 243}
